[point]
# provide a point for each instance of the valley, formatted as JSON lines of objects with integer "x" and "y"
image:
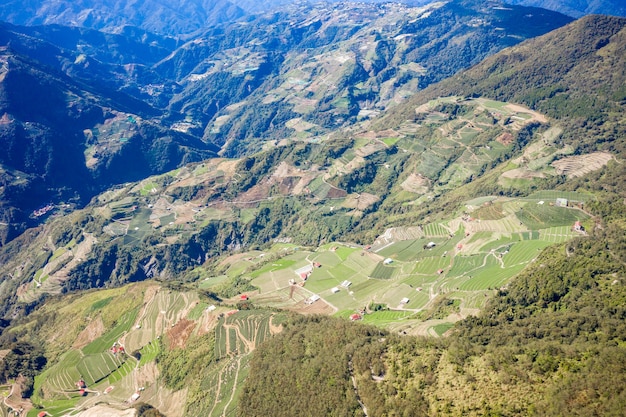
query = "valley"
{"x": 337, "y": 209}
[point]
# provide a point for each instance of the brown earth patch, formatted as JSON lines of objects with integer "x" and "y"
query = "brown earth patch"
{"x": 255, "y": 194}
{"x": 370, "y": 149}
{"x": 360, "y": 201}
{"x": 275, "y": 329}
{"x": 178, "y": 335}
{"x": 505, "y": 138}
{"x": 416, "y": 183}
{"x": 335, "y": 192}
{"x": 577, "y": 166}
{"x": 94, "y": 329}
{"x": 522, "y": 173}
{"x": 15, "y": 400}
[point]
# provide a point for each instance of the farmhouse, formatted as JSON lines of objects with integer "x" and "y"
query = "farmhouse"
{"x": 561, "y": 202}
{"x": 430, "y": 245}
{"x": 305, "y": 270}
{"x": 355, "y": 317}
{"x": 578, "y": 227}
{"x": 317, "y": 264}
{"x": 387, "y": 261}
{"x": 334, "y": 290}
{"x": 244, "y": 297}
{"x": 405, "y": 300}
{"x": 312, "y": 299}
{"x": 346, "y": 284}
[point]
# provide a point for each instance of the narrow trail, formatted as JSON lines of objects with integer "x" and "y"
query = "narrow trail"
{"x": 232, "y": 394}
{"x": 356, "y": 390}
{"x": 219, "y": 391}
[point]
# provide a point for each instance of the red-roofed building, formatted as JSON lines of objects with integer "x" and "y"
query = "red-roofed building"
{"x": 244, "y": 297}
{"x": 355, "y": 317}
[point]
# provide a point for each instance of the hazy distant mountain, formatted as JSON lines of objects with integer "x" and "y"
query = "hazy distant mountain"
{"x": 578, "y": 8}
{"x": 171, "y": 17}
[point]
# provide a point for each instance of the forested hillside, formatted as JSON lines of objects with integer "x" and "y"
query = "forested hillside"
{"x": 459, "y": 252}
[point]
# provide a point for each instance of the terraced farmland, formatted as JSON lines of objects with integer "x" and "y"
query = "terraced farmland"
{"x": 241, "y": 332}
{"x": 479, "y": 251}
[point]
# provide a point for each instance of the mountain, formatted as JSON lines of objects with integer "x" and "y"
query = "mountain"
{"x": 234, "y": 88}
{"x": 487, "y": 208}
{"x": 179, "y": 18}
{"x": 482, "y": 179}
{"x": 308, "y": 70}
{"x": 67, "y": 138}
{"x": 578, "y": 8}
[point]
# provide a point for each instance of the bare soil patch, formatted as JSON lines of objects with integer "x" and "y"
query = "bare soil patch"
{"x": 178, "y": 335}
{"x": 522, "y": 173}
{"x": 577, "y": 166}
{"x": 15, "y": 400}
{"x": 505, "y": 138}
{"x": 360, "y": 201}
{"x": 94, "y": 330}
{"x": 520, "y": 109}
{"x": 416, "y": 183}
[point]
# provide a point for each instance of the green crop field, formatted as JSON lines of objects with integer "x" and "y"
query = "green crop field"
{"x": 139, "y": 226}
{"x": 384, "y": 318}
{"x": 94, "y": 368}
{"x": 435, "y": 230}
{"x": 273, "y": 266}
{"x": 541, "y": 216}
{"x": 466, "y": 264}
{"x": 431, "y": 265}
{"x": 196, "y": 312}
{"x": 105, "y": 341}
{"x": 557, "y": 234}
{"x": 440, "y": 329}
{"x": 382, "y": 272}
{"x": 550, "y": 196}
{"x": 149, "y": 352}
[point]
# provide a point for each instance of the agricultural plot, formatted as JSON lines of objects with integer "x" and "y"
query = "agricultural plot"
{"x": 551, "y": 196}
{"x": 164, "y": 310}
{"x": 542, "y": 216}
{"x": 523, "y": 252}
{"x": 139, "y": 226}
{"x": 61, "y": 379}
{"x": 382, "y": 272}
{"x": 557, "y": 234}
{"x": 95, "y": 368}
{"x": 463, "y": 265}
{"x": 435, "y": 230}
{"x": 241, "y": 332}
{"x": 104, "y": 342}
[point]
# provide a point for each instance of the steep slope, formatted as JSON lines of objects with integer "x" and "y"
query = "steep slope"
{"x": 577, "y": 8}
{"x": 550, "y": 343}
{"x": 307, "y": 70}
{"x": 64, "y": 142}
{"x": 575, "y": 75}
{"x": 238, "y": 87}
